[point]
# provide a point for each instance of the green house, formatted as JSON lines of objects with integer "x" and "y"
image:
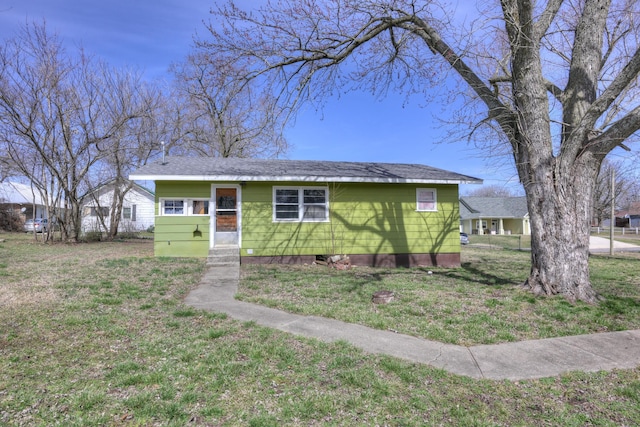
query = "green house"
{"x": 290, "y": 211}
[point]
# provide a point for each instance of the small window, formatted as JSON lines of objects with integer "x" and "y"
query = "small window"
{"x": 173, "y": 207}
{"x": 200, "y": 207}
{"x": 129, "y": 212}
{"x": 300, "y": 204}
{"x": 426, "y": 199}
{"x": 95, "y": 211}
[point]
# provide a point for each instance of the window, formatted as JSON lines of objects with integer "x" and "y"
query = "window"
{"x": 300, "y": 204}
{"x": 200, "y": 207}
{"x": 129, "y": 212}
{"x": 173, "y": 207}
{"x": 95, "y": 211}
{"x": 182, "y": 207}
{"x": 426, "y": 199}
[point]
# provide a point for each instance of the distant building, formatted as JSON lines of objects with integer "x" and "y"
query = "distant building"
{"x": 22, "y": 200}
{"x": 494, "y": 215}
{"x": 138, "y": 209}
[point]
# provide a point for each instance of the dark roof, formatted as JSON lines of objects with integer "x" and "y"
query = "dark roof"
{"x": 493, "y": 207}
{"x": 237, "y": 169}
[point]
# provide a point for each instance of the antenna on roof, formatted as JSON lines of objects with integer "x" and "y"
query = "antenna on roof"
{"x": 163, "y": 161}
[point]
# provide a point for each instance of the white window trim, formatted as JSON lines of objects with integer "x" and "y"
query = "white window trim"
{"x": 301, "y": 203}
{"x": 197, "y": 199}
{"x": 435, "y": 200}
{"x": 177, "y": 199}
{"x": 187, "y": 206}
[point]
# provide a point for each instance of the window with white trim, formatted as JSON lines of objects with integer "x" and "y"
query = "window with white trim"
{"x": 184, "y": 207}
{"x": 426, "y": 199}
{"x": 199, "y": 207}
{"x": 172, "y": 207}
{"x": 308, "y": 204}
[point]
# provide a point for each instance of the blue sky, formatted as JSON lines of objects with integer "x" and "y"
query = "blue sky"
{"x": 150, "y": 35}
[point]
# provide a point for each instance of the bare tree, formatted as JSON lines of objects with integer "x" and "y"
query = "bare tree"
{"x": 556, "y": 79}
{"x": 492, "y": 191}
{"x": 603, "y": 197}
{"x": 223, "y": 117}
{"x": 131, "y": 147}
{"x": 60, "y": 115}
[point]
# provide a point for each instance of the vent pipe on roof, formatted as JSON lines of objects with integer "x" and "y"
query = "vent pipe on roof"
{"x": 163, "y": 162}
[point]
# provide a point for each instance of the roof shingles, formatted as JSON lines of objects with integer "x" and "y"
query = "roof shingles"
{"x": 493, "y": 207}
{"x": 238, "y": 169}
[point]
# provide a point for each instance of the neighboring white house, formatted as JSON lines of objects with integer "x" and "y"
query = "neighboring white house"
{"x": 138, "y": 209}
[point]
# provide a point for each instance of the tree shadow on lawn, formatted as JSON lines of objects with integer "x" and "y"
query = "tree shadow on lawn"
{"x": 468, "y": 272}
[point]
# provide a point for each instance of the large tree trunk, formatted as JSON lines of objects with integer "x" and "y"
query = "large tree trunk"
{"x": 559, "y": 180}
{"x": 560, "y": 210}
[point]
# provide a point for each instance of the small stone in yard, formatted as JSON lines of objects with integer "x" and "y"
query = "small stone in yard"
{"x": 429, "y": 272}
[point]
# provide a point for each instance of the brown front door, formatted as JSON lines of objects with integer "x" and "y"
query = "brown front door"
{"x": 226, "y": 221}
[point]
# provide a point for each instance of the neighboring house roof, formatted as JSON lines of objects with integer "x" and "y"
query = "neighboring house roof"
{"x": 493, "y": 207}
{"x": 237, "y": 169}
{"x": 21, "y": 194}
{"x": 108, "y": 185}
{"x": 633, "y": 209}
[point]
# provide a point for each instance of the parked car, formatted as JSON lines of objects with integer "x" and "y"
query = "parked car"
{"x": 39, "y": 225}
{"x": 464, "y": 239}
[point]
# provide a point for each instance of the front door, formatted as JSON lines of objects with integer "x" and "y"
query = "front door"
{"x": 226, "y": 216}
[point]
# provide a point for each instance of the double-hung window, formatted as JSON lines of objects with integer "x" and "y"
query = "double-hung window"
{"x": 300, "y": 204}
{"x": 426, "y": 199}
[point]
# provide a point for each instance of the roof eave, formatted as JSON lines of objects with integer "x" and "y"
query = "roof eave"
{"x": 305, "y": 178}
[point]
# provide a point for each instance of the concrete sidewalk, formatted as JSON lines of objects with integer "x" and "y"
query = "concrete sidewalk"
{"x": 601, "y": 245}
{"x": 512, "y": 361}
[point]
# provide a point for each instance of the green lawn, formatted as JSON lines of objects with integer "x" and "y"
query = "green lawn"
{"x": 480, "y": 303}
{"x": 97, "y": 334}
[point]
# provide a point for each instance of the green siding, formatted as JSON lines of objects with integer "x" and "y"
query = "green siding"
{"x": 364, "y": 219}
{"x": 184, "y": 236}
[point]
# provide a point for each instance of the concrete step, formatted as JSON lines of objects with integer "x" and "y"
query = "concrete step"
{"x": 226, "y": 255}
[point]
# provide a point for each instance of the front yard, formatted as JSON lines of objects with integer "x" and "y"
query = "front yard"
{"x": 97, "y": 334}
{"x": 480, "y": 303}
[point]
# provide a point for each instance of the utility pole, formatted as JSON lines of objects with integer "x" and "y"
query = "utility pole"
{"x": 613, "y": 210}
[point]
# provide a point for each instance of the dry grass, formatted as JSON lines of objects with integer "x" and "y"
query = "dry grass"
{"x": 37, "y": 267}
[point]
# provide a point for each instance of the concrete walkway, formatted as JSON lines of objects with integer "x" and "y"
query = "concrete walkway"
{"x": 601, "y": 245}
{"x": 512, "y": 361}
